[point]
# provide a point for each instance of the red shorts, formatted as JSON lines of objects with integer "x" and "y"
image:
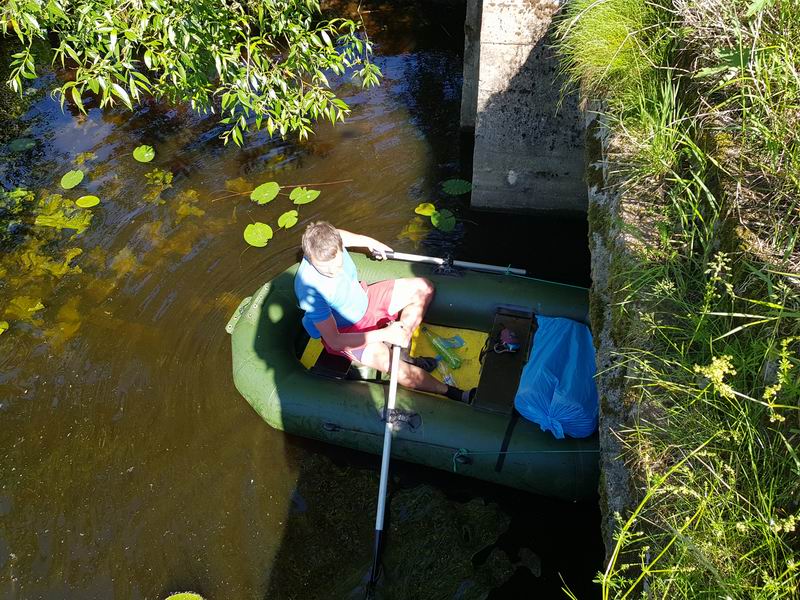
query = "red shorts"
{"x": 379, "y": 296}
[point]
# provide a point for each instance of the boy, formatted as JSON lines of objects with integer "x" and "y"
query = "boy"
{"x": 356, "y": 320}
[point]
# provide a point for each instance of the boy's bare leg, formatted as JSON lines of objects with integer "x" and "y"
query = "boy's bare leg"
{"x": 411, "y": 298}
{"x": 379, "y": 357}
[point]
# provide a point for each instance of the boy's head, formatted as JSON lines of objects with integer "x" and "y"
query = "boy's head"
{"x": 322, "y": 246}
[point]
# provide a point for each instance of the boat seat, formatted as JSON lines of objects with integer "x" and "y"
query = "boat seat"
{"x": 500, "y": 373}
{"x": 335, "y": 366}
{"x": 330, "y": 365}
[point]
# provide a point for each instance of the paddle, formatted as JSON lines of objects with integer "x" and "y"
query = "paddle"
{"x": 387, "y": 451}
{"x": 446, "y": 262}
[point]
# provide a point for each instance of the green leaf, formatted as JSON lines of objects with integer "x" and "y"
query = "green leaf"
{"x": 426, "y": 209}
{"x": 301, "y": 195}
{"x": 757, "y": 6}
{"x": 443, "y": 220}
{"x": 71, "y": 179}
{"x": 21, "y": 144}
{"x": 122, "y": 94}
{"x": 76, "y": 97}
{"x": 258, "y": 234}
{"x": 288, "y": 219}
{"x": 144, "y": 153}
{"x": 264, "y": 193}
{"x": 3, "y": 326}
{"x": 87, "y": 201}
{"x": 456, "y": 187}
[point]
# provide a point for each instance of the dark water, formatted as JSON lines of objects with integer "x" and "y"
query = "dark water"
{"x": 130, "y": 465}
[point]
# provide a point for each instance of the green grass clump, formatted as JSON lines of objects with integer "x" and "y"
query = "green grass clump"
{"x": 611, "y": 44}
{"x": 702, "y": 100}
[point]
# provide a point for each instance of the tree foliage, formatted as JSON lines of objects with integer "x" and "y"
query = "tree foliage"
{"x": 258, "y": 63}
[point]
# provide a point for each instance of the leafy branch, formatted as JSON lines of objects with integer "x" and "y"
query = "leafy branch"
{"x": 261, "y": 65}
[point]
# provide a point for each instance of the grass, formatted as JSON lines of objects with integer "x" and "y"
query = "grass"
{"x": 702, "y": 99}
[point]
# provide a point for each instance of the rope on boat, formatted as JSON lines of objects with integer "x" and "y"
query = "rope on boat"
{"x": 464, "y": 452}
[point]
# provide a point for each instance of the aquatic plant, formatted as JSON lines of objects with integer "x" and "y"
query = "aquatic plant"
{"x": 21, "y": 144}
{"x": 144, "y": 153}
{"x": 158, "y": 181}
{"x": 288, "y": 219}
{"x": 87, "y": 201}
{"x": 444, "y": 219}
{"x": 258, "y": 234}
{"x": 266, "y": 192}
{"x": 184, "y": 596}
{"x": 302, "y": 195}
{"x": 426, "y": 209}
{"x": 187, "y": 200}
{"x": 456, "y": 187}
{"x": 84, "y": 157}
{"x": 71, "y": 179}
{"x": 259, "y": 65}
{"x": 55, "y": 211}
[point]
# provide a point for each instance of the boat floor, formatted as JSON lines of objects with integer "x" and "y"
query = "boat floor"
{"x": 466, "y": 377}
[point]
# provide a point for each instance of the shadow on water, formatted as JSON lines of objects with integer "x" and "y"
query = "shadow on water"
{"x": 131, "y": 467}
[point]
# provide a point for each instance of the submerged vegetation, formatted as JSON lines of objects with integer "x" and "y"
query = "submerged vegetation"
{"x": 258, "y": 64}
{"x": 701, "y": 103}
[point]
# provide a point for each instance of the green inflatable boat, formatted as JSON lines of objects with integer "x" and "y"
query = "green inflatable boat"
{"x": 297, "y": 387}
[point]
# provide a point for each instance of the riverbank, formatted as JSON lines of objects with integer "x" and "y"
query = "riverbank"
{"x": 693, "y": 226}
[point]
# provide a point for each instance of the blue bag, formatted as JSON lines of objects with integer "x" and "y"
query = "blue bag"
{"x": 557, "y": 388}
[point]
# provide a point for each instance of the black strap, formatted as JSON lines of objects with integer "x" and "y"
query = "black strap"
{"x": 501, "y": 457}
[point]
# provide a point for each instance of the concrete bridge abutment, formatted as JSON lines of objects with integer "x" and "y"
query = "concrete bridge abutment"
{"x": 529, "y": 153}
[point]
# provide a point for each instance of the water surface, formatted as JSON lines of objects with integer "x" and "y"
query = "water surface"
{"x": 130, "y": 465}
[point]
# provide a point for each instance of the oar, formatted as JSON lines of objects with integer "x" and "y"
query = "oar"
{"x": 387, "y": 451}
{"x": 455, "y": 263}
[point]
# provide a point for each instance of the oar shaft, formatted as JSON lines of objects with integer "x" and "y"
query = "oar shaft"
{"x": 387, "y": 452}
{"x": 387, "y": 439}
{"x": 433, "y": 260}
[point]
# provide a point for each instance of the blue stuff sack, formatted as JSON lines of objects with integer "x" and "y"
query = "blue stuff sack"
{"x": 557, "y": 388}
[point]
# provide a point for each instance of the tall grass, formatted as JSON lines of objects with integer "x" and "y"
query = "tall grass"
{"x": 703, "y": 101}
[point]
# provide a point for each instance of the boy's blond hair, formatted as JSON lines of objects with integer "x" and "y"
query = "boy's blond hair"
{"x": 321, "y": 241}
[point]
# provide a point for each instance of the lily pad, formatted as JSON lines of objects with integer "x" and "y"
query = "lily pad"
{"x": 456, "y": 187}
{"x": 443, "y": 220}
{"x": 21, "y": 144}
{"x": 3, "y": 326}
{"x": 426, "y": 209}
{"x": 288, "y": 219}
{"x": 144, "y": 153}
{"x": 301, "y": 195}
{"x": 257, "y": 234}
{"x": 87, "y": 201}
{"x": 264, "y": 193}
{"x": 71, "y": 179}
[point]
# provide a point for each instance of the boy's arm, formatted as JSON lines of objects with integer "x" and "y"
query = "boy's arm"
{"x": 355, "y": 240}
{"x": 394, "y": 333}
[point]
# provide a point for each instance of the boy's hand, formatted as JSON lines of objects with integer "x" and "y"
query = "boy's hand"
{"x": 378, "y": 249}
{"x": 396, "y": 334}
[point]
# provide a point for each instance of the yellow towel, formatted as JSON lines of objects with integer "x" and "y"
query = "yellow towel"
{"x": 465, "y": 377}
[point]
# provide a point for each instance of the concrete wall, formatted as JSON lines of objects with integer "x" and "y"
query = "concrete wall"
{"x": 472, "y": 54}
{"x": 529, "y": 151}
{"x": 614, "y": 254}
